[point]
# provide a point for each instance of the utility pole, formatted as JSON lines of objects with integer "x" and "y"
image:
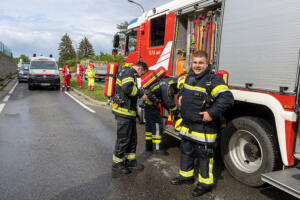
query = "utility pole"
{"x": 131, "y": 1}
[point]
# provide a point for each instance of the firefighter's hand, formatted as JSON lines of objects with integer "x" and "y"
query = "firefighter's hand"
{"x": 206, "y": 117}
{"x": 144, "y": 97}
{"x": 179, "y": 100}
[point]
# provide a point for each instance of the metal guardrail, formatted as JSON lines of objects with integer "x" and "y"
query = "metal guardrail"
{"x": 4, "y": 49}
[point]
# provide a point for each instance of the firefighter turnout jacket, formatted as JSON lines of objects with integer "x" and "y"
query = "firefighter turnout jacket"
{"x": 127, "y": 93}
{"x": 204, "y": 92}
{"x": 163, "y": 92}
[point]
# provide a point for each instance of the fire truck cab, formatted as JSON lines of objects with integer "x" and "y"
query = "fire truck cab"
{"x": 257, "y": 43}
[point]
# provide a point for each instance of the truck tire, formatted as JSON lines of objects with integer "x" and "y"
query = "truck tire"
{"x": 249, "y": 148}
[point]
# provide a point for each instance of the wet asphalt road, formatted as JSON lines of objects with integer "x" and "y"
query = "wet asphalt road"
{"x": 53, "y": 149}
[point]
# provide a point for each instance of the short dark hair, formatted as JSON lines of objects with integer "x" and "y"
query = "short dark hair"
{"x": 142, "y": 64}
{"x": 200, "y": 54}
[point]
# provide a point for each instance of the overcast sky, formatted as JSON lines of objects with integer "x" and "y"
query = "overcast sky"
{"x": 36, "y": 26}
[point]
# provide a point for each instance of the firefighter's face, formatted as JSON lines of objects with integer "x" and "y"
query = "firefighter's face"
{"x": 139, "y": 69}
{"x": 199, "y": 65}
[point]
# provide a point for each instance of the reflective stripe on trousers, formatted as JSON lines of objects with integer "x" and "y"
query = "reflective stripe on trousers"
{"x": 117, "y": 159}
{"x": 187, "y": 173}
{"x": 210, "y": 179}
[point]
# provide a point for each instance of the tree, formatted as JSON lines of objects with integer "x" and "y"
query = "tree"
{"x": 24, "y": 58}
{"x": 122, "y": 29}
{"x": 66, "y": 50}
{"x": 85, "y": 49}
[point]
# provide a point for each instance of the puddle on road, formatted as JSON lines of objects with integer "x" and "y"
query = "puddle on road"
{"x": 167, "y": 170}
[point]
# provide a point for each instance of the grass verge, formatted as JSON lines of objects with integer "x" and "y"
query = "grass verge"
{"x": 98, "y": 94}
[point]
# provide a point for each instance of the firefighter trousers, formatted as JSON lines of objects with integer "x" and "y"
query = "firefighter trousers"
{"x": 153, "y": 128}
{"x": 191, "y": 150}
{"x": 125, "y": 147}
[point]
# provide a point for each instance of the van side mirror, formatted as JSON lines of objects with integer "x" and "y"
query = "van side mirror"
{"x": 116, "y": 41}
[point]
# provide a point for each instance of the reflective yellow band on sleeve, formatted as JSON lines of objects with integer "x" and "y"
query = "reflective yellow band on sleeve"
{"x": 134, "y": 91}
{"x": 155, "y": 88}
{"x": 173, "y": 109}
{"x": 128, "y": 79}
{"x": 219, "y": 89}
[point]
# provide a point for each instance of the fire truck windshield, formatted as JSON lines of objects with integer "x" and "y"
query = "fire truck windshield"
{"x": 130, "y": 42}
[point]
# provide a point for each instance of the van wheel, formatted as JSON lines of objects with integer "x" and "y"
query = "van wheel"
{"x": 30, "y": 87}
{"x": 249, "y": 148}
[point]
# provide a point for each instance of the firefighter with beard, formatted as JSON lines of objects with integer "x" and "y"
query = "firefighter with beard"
{"x": 162, "y": 92}
{"x": 203, "y": 98}
{"x": 124, "y": 108}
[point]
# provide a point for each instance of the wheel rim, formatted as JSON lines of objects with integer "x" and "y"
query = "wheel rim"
{"x": 245, "y": 151}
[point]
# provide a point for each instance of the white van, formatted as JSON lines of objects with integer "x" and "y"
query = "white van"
{"x": 43, "y": 71}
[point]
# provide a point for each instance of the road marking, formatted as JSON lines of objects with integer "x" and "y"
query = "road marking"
{"x": 89, "y": 109}
{"x": 12, "y": 89}
{"x": 6, "y": 98}
{"x": 2, "y": 106}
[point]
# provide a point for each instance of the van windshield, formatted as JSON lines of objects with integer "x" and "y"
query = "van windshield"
{"x": 43, "y": 65}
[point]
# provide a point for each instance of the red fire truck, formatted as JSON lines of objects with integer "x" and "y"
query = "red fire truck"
{"x": 257, "y": 42}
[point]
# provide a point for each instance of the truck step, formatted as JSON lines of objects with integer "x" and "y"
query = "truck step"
{"x": 287, "y": 180}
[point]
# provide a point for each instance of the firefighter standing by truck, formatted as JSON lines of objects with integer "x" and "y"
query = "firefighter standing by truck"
{"x": 124, "y": 108}
{"x": 67, "y": 77}
{"x": 203, "y": 98}
{"x": 162, "y": 92}
{"x": 79, "y": 71}
{"x": 91, "y": 77}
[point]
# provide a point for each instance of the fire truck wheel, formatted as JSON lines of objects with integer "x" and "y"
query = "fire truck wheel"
{"x": 249, "y": 148}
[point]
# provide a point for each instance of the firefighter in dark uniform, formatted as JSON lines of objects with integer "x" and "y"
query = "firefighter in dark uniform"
{"x": 124, "y": 109}
{"x": 162, "y": 92}
{"x": 203, "y": 98}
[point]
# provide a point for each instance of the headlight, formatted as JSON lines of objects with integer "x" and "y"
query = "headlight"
{"x": 21, "y": 72}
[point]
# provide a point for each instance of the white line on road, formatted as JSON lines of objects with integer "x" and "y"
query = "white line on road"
{"x": 6, "y": 98}
{"x": 89, "y": 109}
{"x": 2, "y": 106}
{"x": 12, "y": 89}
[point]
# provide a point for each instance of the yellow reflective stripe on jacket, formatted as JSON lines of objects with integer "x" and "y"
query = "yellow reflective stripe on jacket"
{"x": 173, "y": 109}
{"x": 91, "y": 74}
{"x": 116, "y": 159}
{"x": 218, "y": 89}
{"x": 119, "y": 82}
{"x": 181, "y": 81}
{"x": 130, "y": 156}
{"x": 202, "y": 137}
{"x": 124, "y": 111}
{"x": 210, "y": 179}
{"x": 155, "y": 88}
{"x": 134, "y": 91}
{"x": 194, "y": 88}
{"x": 187, "y": 173}
{"x": 128, "y": 79}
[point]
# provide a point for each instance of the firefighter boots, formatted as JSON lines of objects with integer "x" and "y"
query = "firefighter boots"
{"x": 120, "y": 168}
{"x": 133, "y": 164}
{"x": 148, "y": 145}
{"x": 200, "y": 190}
{"x": 179, "y": 180}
